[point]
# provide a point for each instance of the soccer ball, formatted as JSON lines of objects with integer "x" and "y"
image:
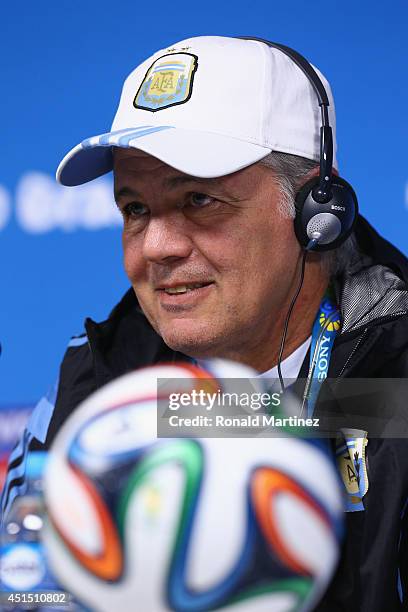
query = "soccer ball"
{"x": 137, "y": 522}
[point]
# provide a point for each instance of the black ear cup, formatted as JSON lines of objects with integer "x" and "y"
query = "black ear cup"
{"x": 334, "y": 220}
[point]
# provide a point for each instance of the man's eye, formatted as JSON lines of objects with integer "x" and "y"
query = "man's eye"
{"x": 134, "y": 210}
{"x": 201, "y": 200}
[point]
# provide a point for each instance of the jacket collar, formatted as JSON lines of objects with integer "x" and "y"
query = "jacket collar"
{"x": 375, "y": 287}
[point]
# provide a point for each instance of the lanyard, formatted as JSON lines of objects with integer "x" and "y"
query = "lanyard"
{"x": 324, "y": 332}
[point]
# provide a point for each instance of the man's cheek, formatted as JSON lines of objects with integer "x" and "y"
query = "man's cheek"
{"x": 132, "y": 263}
{"x": 148, "y": 304}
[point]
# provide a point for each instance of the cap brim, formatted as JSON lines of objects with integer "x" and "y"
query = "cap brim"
{"x": 201, "y": 154}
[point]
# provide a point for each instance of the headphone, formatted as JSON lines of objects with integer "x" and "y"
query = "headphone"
{"x": 326, "y": 206}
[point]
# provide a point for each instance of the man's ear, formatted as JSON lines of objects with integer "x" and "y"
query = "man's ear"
{"x": 312, "y": 173}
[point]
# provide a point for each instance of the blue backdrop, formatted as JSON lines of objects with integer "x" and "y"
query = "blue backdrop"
{"x": 62, "y": 67}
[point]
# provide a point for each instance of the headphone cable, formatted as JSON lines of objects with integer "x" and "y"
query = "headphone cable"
{"x": 312, "y": 243}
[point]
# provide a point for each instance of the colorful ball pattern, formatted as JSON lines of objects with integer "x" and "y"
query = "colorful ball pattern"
{"x": 138, "y": 522}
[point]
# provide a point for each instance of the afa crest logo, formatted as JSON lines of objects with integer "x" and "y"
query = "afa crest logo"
{"x": 169, "y": 81}
{"x": 352, "y": 464}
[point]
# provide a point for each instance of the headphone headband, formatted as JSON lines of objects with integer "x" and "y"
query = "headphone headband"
{"x": 322, "y": 191}
{"x": 303, "y": 64}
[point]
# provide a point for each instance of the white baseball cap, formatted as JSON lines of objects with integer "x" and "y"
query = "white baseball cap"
{"x": 208, "y": 106}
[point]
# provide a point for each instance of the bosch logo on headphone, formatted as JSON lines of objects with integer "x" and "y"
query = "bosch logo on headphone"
{"x": 334, "y": 207}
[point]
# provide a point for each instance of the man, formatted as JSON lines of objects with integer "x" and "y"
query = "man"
{"x": 212, "y": 139}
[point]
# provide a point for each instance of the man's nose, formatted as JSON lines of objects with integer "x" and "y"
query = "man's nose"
{"x": 165, "y": 238}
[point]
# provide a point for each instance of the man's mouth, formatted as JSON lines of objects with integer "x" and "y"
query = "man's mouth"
{"x": 178, "y": 289}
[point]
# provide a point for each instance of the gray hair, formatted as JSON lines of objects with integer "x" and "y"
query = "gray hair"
{"x": 290, "y": 172}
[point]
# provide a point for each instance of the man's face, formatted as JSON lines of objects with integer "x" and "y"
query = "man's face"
{"x": 212, "y": 261}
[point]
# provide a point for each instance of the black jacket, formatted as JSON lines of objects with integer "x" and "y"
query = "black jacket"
{"x": 373, "y": 296}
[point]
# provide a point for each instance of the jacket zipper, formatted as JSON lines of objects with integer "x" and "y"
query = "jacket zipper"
{"x": 384, "y": 319}
{"x": 349, "y": 358}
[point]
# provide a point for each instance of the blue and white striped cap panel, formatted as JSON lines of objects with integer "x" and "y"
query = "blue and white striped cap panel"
{"x": 122, "y": 138}
{"x": 93, "y": 156}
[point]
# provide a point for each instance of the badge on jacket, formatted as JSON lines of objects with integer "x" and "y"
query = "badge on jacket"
{"x": 351, "y": 460}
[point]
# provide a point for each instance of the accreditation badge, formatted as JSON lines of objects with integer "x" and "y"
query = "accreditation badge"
{"x": 351, "y": 461}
